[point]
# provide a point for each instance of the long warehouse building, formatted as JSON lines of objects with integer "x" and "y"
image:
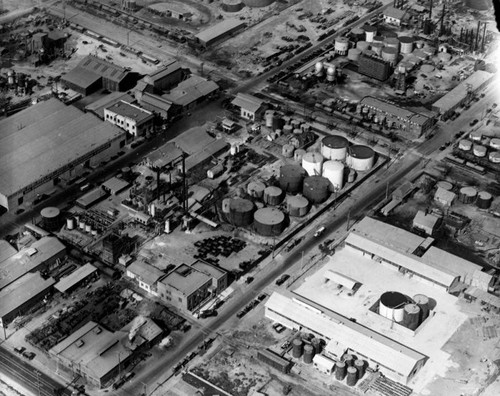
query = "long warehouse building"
{"x": 49, "y": 143}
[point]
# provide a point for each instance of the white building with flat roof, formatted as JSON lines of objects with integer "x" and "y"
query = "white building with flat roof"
{"x": 131, "y": 118}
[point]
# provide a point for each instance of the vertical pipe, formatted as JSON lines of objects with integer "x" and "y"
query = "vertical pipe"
{"x": 484, "y": 37}
{"x": 477, "y": 35}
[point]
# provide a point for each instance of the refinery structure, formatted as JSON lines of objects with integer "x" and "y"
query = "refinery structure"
{"x": 247, "y": 197}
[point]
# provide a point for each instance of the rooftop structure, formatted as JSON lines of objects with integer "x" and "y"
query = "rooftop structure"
{"x": 109, "y": 100}
{"x": 186, "y": 279}
{"x": 166, "y": 76}
{"x": 219, "y": 31}
{"x": 145, "y": 274}
{"x": 191, "y": 91}
{"x": 394, "y": 15}
{"x": 164, "y": 155}
{"x": 249, "y": 105}
{"x": 210, "y": 150}
{"x": 426, "y": 222}
{"x": 157, "y": 104}
{"x": 218, "y": 275}
{"x": 115, "y": 185}
{"x": 193, "y": 140}
{"x": 130, "y": 111}
{"x": 75, "y": 278}
{"x": 444, "y": 197}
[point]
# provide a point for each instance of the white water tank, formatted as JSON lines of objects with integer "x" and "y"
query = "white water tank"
{"x": 334, "y": 147}
{"x": 465, "y": 145}
{"x": 479, "y": 151}
{"x": 341, "y": 45}
{"x": 392, "y": 305}
{"x": 334, "y": 171}
{"x": 476, "y": 135}
{"x": 312, "y": 163}
{"x": 494, "y": 157}
{"x": 495, "y": 143}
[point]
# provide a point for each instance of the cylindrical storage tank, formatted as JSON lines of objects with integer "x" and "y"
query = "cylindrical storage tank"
{"x": 353, "y": 54}
{"x": 334, "y": 147}
{"x": 361, "y": 367}
{"x": 444, "y": 57}
{"x": 406, "y": 43}
{"x": 297, "y": 131}
{"x": 296, "y": 123}
{"x": 479, "y": 151}
{"x": 427, "y": 68}
{"x": 392, "y": 42}
{"x": 312, "y": 163}
{"x": 362, "y": 45}
{"x": 81, "y": 225}
{"x": 480, "y": 5}
{"x": 94, "y": 232}
{"x": 495, "y": 143}
{"x": 465, "y": 145}
{"x": 357, "y": 33}
{"x": 360, "y": 158}
{"x": 273, "y": 195}
{"x": 411, "y": 316}
{"x": 467, "y": 195}
{"x": 50, "y": 218}
{"x": 256, "y": 189}
{"x": 423, "y": 302}
{"x": 352, "y": 376}
{"x": 334, "y": 171}
{"x": 241, "y": 212}
{"x": 168, "y": 226}
{"x": 297, "y": 345}
{"x": 318, "y": 70}
{"x": 349, "y": 360}
{"x": 476, "y": 135}
{"x": 370, "y": 32}
{"x": 297, "y": 206}
{"x": 378, "y": 39}
{"x": 70, "y": 223}
{"x": 377, "y": 48}
{"x": 308, "y": 353}
{"x": 226, "y": 205}
{"x": 445, "y": 185}
{"x": 494, "y": 157}
{"x": 390, "y": 54}
{"x": 316, "y": 189}
{"x": 292, "y": 178}
{"x": 277, "y": 122}
{"x": 287, "y": 150}
{"x": 232, "y": 5}
{"x": 392, "y": 306}
{"x": 341, "y": 45}
{"x": 268, "y": 116}
{"x": 316, "y": 343}
{"x": 269, "y": 221}
{"x": 88, "y": 228}
{"x": 340, "y": 371}
{"x": 484, "y": 200}
{"x": 298, "y": 154}
{"x": 351, "y": 176}
{"x": 287, "y": 129}
{"x": 126, "y": 171}
{"x": 330, "y": 73}
{"x": 258, "y": 3}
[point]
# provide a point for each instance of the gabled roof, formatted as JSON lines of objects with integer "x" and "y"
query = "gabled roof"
{"x": 152, "y": 102}
{"x": 103, "y": 68}
{"x": 247, "y": 102}
{"x": 130, "y": 111}
{"x": 164, "y": 155}
{"x": 444, "y": 195}
{"x": 75, "y": 277}
{"x": 147, "y": 273}
{"x": 164, "y": 72}
{"x": 190, "y": 90}
{"x": 394, "y": 110}
{"x": 214, "y": 32}
{"x": 100, "y": 104}
{"x": 394, "y": 12}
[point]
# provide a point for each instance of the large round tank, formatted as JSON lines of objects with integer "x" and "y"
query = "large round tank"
{"x": 362, "y": 45}
{"x": 406, "y": 43}
{"x": 353, "y": 54}
{"x": 232, "y": 5}
{"x": 308, "y": 354}
{"x": 273, "y": 195}
{"x": 494, "y": 157}
{"x": 316, "y": 189}
{"x": 334, "y": 147}
{"x": 70, "y": 223}
{"x": 50, "y": 218}
{"x": 340, "y": 371}
{"x": 341, "y": 45}
{"x": 226, "y": 205}
{"x": 298, "y": 154}
{"x": 480, "y": 5}
{"x": 465, "y": 145}
{"x": 445, "y": 185}
{"x": 360, "y": 158}
{"x": 352, "y": 376}
{"x": 256, "y": 189}
{"x": 423, "y": 303}
{"x": 269, "y": 221}
{"x": 392, "y": 42}
{"x": 390, "y": 54}
{"x": 334, "y": 171}
{"x": 411, "y": 316}
{"x": 241, "y": 212}
{"x": 392, "y": 306}
{"x": 258, "y": 3}
{"x": 370, "y": 32}
{"x": 361, "y": 367}
{"x": 476, "y": 136}
{"x": 357, "y": 33}
{"x": 378, "y": 39}
{"x": 312, "y": 163}
{"x": 467, "y": 195}
{"x": 287, "y": 150}
{"x": 330, "y": 73}
{"x": 292, "y": 178}
{"x": 479, "y": 151}
{"x": 287, "y": 129}
{"x": 377, "y": 48}
{"x": 484, "y": 200}
{"x": 297, "y": 347}
{"x": 495, "y": 143}
{"x": 297, "y": 205}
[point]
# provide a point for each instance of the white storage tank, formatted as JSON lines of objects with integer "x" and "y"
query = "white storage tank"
{"x": 392, "y": 42}
{"x": 392, "y": 305}
{"x": 334, "y": 147}
{"x": 287, "y": 150}
{"x": 341, "y": 45}
{"x": 390, "y": 54}
{"x": 494, "y": 157}
{"x": 353, "y": 54}
{"x": 312, "y": 162}
{"x": 330, "y": 73}
{"x": 273, "y": 195}
{"x": 70, "y": 223}
{"x": 377, "y": 48}
{"x": 495, "y": 143}
{"x": 476, "y": 136}
{"x": 269, "y": 118}
{"x": 334, "y": 171}
{"x": 298, "y": 154}
{"x": 479, "y": 151}
{"x": 465, "y": 145}
{"x": 406, "y": 43}
{"x": 370, "y": 32}
{"x": 360, "y": 158}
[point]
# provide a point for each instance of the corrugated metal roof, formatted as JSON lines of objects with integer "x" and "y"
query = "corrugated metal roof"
{"x": 81, "y": 77}
{"x": 99, "y": 105}
{"x": 155, "y": 101}
{"x": 193, "y": 140}
{"x": 208, "y": 151}
{"x": 338, "y": 329}
{"x": 190, "y": 90}
{"x": 394, "y": 110}
{"x": 74, "y": 278}
{"x": 214, "y": 32}
{"x": 130, "y": 111}
{"x": 394, "y": 13}
{"x": 146, "y": 272}
{"x": 163, "y": 72}
{"x": 247, "y": 102}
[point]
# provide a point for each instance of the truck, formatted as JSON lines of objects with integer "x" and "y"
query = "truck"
{"x": 319, "y": 231}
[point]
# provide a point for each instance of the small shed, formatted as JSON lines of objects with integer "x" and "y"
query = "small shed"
{"x": 115, "y": 185}
{"x": 323, "y": 364}
{"x": 444, "y": 197}
{"x": 426, "y": 222}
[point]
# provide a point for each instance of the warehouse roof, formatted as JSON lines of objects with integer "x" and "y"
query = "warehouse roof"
{"x": 193, "y": 140}
{"x": 103, "y": 68}
{"x": 145, "y": 272}
{"x": 186, "y": 279}
{"x": 208, "y": 151}
{"x": 338, "y": 329}
{"x": 99, "y": 105}
{"x": 115, "y": 185}
{"x": 154, "y": 102}
{"x": 394, "y": 12}
{"x": 45, "y": 138}
{"x": 209, "y": 269}
{"x": 130, "y": 111}
{"x": 164, "y": 155}
{"x": 444, "y": 196}
{"x": 216, "y": 31}
{"x": 394, "y": 110}
{"x": 75, "y": 277}
{"x": 247, "y": 102}
{"x": 22, "y": 291}
{"x": 191, "y": 90}
{"x": 91, "y": 198}
{"x": 163, "y": 72}
{"x": 29, "y": 259}
{"x": 426, "y": 221}
{"x": 81, "y": 77}
{"x": 457, "y": 94}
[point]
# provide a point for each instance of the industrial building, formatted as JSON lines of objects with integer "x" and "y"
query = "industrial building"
{"x": 157, "y": 104}
{"x": 77, "y": 278}
{"x": 251, "y": 108}
{"x": 426, "y": 222}
{"x": 22, "y": 294}
{"x": 462, "y": 93}
{"x": 219, "y": 32}
{"x": 374, "y": 66}
{"x": 166, "y": 77}
{"x": 191, "y": 91}
{"x": 394, "y": 16}
{"x": 49, "y": 143}
{"x": 145, "y": 275}
{"x": 131, "y": 118}
{"x": 219, "y": 276}
{"x": 94, "y": 73}
{"x": 109, "y": 100}
{"x": 409, "y": 122}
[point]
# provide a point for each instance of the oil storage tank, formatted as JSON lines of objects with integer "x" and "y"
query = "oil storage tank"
{"x": 377, "y": 48}
{"x": 232, "y": 5}
{"x": 297, "y": 347}
{"x": 341, "y": 45}
{"x": 494, "y": 157}
{"x": 334, "y": 147}
{"x": 423, "y": 303}
{"x": 411, "y": 316}
{"x": 269, "y": 221}
{"x": 392, "y": 42}
{"x": 256, "y": 189}
{"x": 480, "y": 5}
{"x": 257, "y": 3}
{"x": 370, "y": 32}
{"x": 292, "y": 178}
{"x": 298, "y": 154}
{"x": 312, "y": 162}
{"x": 476, "y": 136}
{"x": 361, "y": 367}
{"x": 354, "y": 54}
{"x": 334, "y": 171}
{"x": 297, "y": 205}
{"x": 357, "y": 33}
{"x": 352, "y": 376}
{"x": 484, "y": 200}
{"x": 241, "y": 212}
{"x": 467, "y": 195}
{"x": 362, "y": 45}
{"x": 406, "y": 43}
{"x": 287, "y": 150}
{"x": 316, "y": 189}
{"x": 273, "y": 195}
{"x": 360, "y": 158}
{"x": 495, "y": 143}
{"x": 390, "y": 54}
{"x": 445, "y": 185}
{"x": 465, "y": 145}
{"x": 392, "y": 305}
{"x": 50, "y": 218}
{"x": 340, "y": 371}
{"x": 308, "y": 354}
{"x": 479, "y": 151}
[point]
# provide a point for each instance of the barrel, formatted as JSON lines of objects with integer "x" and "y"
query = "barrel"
{"x": 297, "y": 345}
{"x": 360, "y": 366}
{"x": 352, "y": 376}
{"x": 340, "y": 371}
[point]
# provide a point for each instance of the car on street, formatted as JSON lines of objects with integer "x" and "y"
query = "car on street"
{"x": 319, "y": 231}
{"x": 19, "y": 350}
{"x": 29, "y": 355}
{"x": 240, "y": 314}
{"x": 474, "y": 122}
{"x": 249, "y": 279}
{"x": 442, "y": 147}
{"x": 282, "y": 279}
{"x": 208, "y": 313}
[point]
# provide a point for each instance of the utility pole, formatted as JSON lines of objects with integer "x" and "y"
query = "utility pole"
{"x": 145, "y": 389}
{"x": 386, "y": 190}
{"x": 348, "y": 219}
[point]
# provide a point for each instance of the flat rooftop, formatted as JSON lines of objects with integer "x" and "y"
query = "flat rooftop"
{"x": 185, "y": 279}
{"x": 190, "y": 90}
{"x": 214, "y": 32}
{"x": 100, "y": 104}
{"x": 45, "y": 138}
{"x": 130, "y": 111}
{"x": 208, "y": 269}
{"x": 75, "y": 277}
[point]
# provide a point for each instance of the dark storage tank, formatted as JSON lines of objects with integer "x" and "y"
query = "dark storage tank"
{"x": 316, "y": 189}
{"x": 340, "y": 371}
{"x": 297, "y": 205}
{"x": 291, "y": 178}
{"x": 297, "y": 346}
{"x": 241, "y": 212}
{"x": 308, "y": 354}
{"x": 269, "y": 221}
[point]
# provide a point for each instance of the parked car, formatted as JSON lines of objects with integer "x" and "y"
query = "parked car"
{"x": 249, "y": 279}
{"x": 319, "y": 231}
{"x": 282, "y": 279}
{"x": 279, "y": 328}
{"x": 240, "y": 314}
{"x": 19, "y": 350}
{"x": 207, "y": 313}
{"x": 474, "y": 122}
{"x": 29, "y": 355}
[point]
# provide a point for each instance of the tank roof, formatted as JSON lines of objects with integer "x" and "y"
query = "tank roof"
{"x": 360, "y": 151}
{"x": 335, "y": 141}
{"x": 389, "y": 50}
{"x": 406, "y": 39}
{"x": 269, "y": 216}
{"x": 273, "y": 190}
{"x": 315, "y": 181}
{"x": 393, "y": 299}
{"x": 241, "y": 205}
{"x": 297, "y": 201}
{"x": 50, "y": 212}
{"x": 312, "y": 156}
{"x": 333, "y": 165}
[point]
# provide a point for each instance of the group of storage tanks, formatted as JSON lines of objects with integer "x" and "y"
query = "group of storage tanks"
{"x": 475, "y": 145}
{"x": 299, "y": 186}
{"x": 350, "y": 368}
{"x": 406, "y": 311}
{"x": 469, "y": 195}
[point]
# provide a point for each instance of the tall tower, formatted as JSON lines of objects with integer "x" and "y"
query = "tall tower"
{"x": 401, "y": 79}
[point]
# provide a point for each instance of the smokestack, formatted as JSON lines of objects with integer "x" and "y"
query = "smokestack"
{"x": 477, "y": 35}
{"x": 442, "y": 22}
{"x": 484, "y": 37}
{"x": 461, "y": 34}
{"x": 430, "y": 11}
